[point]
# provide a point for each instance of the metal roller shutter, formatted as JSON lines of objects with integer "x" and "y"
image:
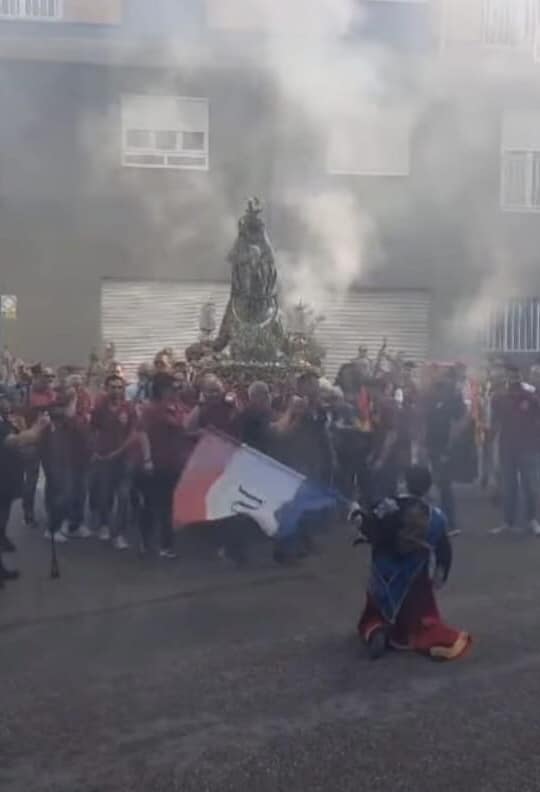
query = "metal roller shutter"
{"x": 366, "y": 317}
{"x": 142, "y": 317}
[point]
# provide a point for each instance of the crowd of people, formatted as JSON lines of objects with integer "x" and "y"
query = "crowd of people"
{"x": 111, "y": 452}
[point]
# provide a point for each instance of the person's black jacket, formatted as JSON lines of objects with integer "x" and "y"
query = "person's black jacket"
{"x": 307, "y": 448}
{"x": 252, "y": 427}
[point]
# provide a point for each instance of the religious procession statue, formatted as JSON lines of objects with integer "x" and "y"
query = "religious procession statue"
{"x": 251, "y": 327}
{"x": 252, "y": 340}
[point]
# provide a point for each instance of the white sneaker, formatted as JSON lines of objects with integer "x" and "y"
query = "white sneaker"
{"x": 59, "y": 537}
{"x": 534, "y": 525}
{"x": 104, "y": 533}
{"x": 499, "y": 529}
{"x": 454, "y": 532}
{"x": 120, "y": 543}
{"x": 167, "y": 553}
{"x": 82, "y": 532}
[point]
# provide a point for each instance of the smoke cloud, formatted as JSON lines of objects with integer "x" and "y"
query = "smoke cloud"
{"x": 342, "y": 103}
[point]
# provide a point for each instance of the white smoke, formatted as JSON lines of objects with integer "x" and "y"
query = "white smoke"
{"x": 333, "y": 253}
{"x": 322, "y": 83}
{"x": 355, "y": 103}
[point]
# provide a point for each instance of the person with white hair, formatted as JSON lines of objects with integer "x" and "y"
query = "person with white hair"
{"x": 214, "y": 410}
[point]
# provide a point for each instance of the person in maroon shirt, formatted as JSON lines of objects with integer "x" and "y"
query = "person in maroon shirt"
{"x": 55, "y": 453}
{"x": 113, "y": 424}
{"x": 214, "y": 410}
{"x": 166, "y": 447}
{"x": 516, "y": 423}
{"x": 80, "y": 455}
{"x": 41, "y": 398}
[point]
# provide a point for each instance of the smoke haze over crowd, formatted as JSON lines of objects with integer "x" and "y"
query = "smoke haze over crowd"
{"x": 376, "y": 155}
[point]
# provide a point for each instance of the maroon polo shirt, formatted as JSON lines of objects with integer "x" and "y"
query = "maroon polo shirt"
{"x": 517, "y": 414}
{"x": 216, "y": 415}
{"x": 163, "y": 422}
{"x": 112, "y": 425}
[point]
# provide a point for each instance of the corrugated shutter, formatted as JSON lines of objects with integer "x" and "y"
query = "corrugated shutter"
{"x": 142, "y": 317}
{"x": 366, "y": 317}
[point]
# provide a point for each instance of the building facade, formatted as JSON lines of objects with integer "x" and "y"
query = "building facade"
{"x": 133, "y": 132}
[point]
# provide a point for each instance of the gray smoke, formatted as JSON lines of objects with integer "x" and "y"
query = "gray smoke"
{"x": 336, "y": 98}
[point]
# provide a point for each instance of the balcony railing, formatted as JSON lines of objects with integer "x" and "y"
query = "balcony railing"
{"x": 514, "y": 327}
{"x": 505, "y": 25}
{"x": 509, "y": 23}
{"x": 32, "y": 10}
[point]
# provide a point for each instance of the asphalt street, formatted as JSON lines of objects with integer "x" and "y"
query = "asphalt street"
{"x": 193, "y": 676}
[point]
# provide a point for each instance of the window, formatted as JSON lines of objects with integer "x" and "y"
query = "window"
{"x": 138, "y": 138}
{"x": 166, "y": 140}
{"x": 509, "y": 23}
{"x": 235, "y": 15}
{"x": 375, "y": 141}
{"x": 514, "y": 326}
{"x": 193, "y": 141}
{"x": 165, "y": 132}
{"x": 520, "y": 162}
{"x": 42, "y": 10}
{"x": 521, "y": 180}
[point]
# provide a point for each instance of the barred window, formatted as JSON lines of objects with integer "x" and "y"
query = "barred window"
{"x": 514, "y": 326}
{"x": 509, "y": 23}
{"x": 520, "y": 160}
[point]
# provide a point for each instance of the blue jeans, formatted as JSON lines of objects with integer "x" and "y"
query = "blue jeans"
{"x": 519, "y": 470}
{"x": 110, "y": 487}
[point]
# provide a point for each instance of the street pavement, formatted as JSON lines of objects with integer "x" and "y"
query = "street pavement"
{"x": 193, "y": 676}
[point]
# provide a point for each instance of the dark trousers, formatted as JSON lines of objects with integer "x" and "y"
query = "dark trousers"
{"x": 111, "y": 482}
{"x": 442, "y": 475}
{"x": 31, "y": 476}
{"x": 157, "y": 489}
{"x": 57, "y": 499}
{"x": 352, "y": 479}
{"x": 77, "y": 499}
{"x": 5, "y": 513}
{"x": 519, "y": 470}
{"x": 384, "y": 481}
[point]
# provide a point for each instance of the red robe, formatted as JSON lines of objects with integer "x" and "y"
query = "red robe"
{"x": 418, "y": 627}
